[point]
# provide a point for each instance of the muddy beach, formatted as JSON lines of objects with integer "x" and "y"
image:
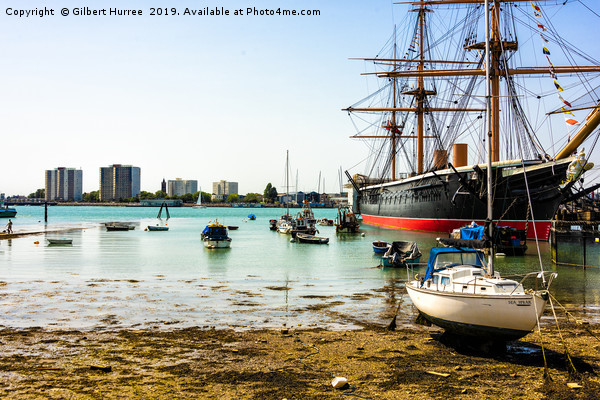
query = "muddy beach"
{"x": 290, "y": 363}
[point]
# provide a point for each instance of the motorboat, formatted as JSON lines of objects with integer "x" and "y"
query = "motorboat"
{"x": 214, "y": 236}
{"x": 505, "y": 239}
{"x": 304, "y": 222}
{"x": 346, "y": 221}
{"x": 325, "y": 222}
{"x": 7, "y": 212}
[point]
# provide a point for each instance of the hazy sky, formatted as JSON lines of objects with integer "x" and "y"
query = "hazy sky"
{"x": 194, "y": 97}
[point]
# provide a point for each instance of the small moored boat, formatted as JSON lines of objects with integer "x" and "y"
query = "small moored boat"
{"x": 325, "y": 222}
{"x": 273, "y": 224}
{"x": 118, "y": 226}
{"x": 306, "y": 238}
{"x": 7, "y": 212}
{"x": 157, "y": 228}
{"x": 380, "y": 247}
{"x": 346, "y": 221}
{"x": 400, "y": 253}
{"x": 59, "y": 241}
{"x": 214, "y": 236}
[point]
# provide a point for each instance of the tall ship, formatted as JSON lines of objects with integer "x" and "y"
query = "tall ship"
{"x": 425, "y": 125}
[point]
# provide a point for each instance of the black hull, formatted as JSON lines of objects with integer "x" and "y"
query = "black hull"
{"x": 445, "y": 200}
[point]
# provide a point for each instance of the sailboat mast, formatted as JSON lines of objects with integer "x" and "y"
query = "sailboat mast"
{"x": 489, "y": 84}
{"x": 287, "y": 182}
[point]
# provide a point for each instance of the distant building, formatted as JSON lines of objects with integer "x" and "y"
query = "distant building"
{"x": 119, "y": 182}
{"x": 64, "y": 184}
{"x": 179, "y": 187}
{"x": 163, "y": 186}
{"x": 224, "y": 189}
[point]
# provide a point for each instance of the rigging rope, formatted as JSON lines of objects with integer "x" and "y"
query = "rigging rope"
{"x": 570, "y": 365}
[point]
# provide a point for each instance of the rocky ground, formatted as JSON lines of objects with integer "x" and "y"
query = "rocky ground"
{"x": 408, "y": 363}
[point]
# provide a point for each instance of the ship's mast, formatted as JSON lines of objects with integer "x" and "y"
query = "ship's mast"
{"x": 420, "y": 95}
{"x": 496, "y": 50}
{"x": 394, "y": 126}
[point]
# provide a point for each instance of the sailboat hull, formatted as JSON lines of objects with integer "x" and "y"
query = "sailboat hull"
{"x": 445, "y": 200}
{"x": 498, "y": 317}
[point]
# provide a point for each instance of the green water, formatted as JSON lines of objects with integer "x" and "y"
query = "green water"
{"x": 137, "y": 278}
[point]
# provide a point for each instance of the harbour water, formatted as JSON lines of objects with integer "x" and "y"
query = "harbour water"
{"x": 143, "y": 279}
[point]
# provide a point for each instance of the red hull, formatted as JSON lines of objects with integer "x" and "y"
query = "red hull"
{"x": 447, "y": 225}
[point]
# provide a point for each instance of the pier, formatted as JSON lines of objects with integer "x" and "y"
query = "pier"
{"x": 575, "y": 239}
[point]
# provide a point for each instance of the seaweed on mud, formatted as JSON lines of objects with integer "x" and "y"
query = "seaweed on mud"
{"x": 281, "y": 288}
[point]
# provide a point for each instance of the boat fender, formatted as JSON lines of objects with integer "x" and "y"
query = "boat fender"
{"x": 417, "y": 277}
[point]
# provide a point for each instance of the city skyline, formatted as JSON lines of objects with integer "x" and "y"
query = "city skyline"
{"x": 204, "y": 97}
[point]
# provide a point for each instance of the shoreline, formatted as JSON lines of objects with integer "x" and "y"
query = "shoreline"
{"x": 409, "y": 363}
{"x": 184, "y": 205}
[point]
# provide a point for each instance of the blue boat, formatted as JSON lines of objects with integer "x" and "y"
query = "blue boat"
{"x": 251, "y": 217}
{"x": 505, "y": 239}
{"x": 6, "y": 212}
{"x": 214, "y": 236}
{"x": 380, "y": 247}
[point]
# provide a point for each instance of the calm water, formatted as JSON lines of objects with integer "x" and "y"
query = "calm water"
{"x": 108, "y": 280}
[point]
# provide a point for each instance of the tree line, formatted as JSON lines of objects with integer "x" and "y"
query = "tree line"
{"x": 269, "y": 196}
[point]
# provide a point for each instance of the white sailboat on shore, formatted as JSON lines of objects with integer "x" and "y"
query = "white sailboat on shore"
{"x": 462, "y": 294}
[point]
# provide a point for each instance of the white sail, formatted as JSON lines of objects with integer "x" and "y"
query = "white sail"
{"x": 199, "y": 202}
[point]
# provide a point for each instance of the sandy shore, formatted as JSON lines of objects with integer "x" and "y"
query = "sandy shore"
{"x": 410, "y": 363}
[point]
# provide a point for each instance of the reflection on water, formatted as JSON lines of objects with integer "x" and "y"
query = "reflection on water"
{"x": 156, "y": 279}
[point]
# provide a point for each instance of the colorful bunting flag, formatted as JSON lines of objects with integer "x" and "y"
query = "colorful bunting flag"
{"x": 558, "y": 86}
{"x": 564, "y": 101}
{"x": 546, "y": 51}
{"x": 536, "y": 8}
{"x": 537, "y": 14}
{"x": 542, "y": 27}
{"x": 571, "y": 121}
{"x": 565, "y": 111}
{"x": 543, "y": 38}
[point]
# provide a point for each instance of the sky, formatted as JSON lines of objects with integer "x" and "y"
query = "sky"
{"x": 194, "y": 97}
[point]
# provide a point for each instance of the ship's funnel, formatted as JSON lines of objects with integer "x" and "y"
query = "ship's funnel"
{"x": 440, "y": 159}
{"x": 591, "y": 123}
{"x": 460, "y": 154}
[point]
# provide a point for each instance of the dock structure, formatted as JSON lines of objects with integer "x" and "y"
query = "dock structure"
{"x": 575, "y": 239}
